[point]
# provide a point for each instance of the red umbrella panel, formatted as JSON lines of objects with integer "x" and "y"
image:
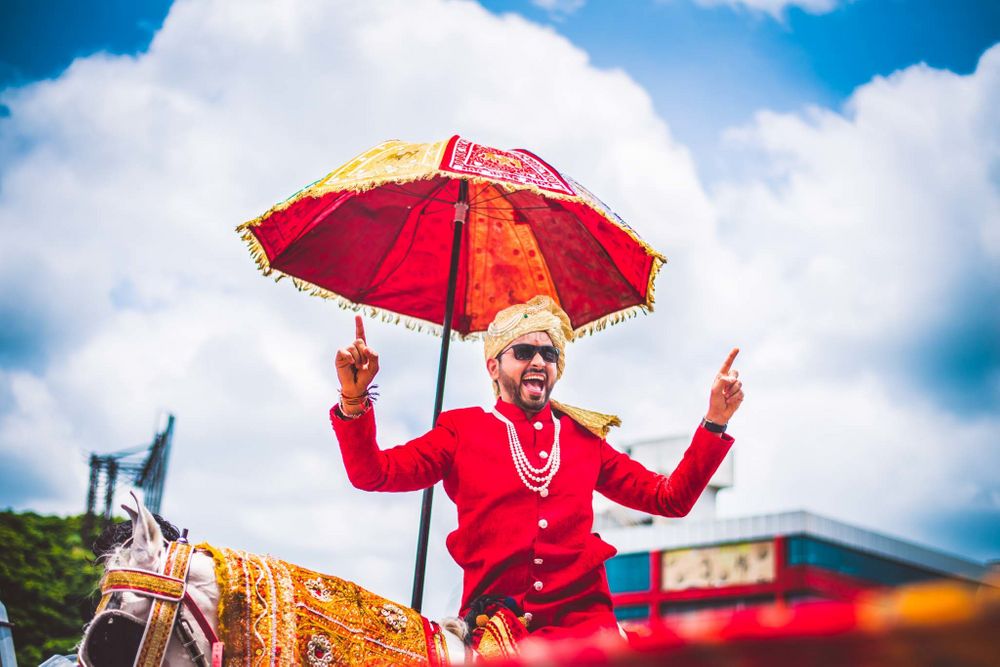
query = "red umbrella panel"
{"x": 377, "y": 232}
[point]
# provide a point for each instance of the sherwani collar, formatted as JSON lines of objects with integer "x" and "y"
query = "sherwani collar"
{"x": 516, "y": 414}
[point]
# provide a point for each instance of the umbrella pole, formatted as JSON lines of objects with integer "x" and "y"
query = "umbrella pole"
{"x": 461, "y": 209}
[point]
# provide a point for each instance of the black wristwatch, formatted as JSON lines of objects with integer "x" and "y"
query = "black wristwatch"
{"x": 713, "y": 427}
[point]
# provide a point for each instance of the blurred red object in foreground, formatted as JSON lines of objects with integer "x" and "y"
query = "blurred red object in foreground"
{"x": 940, "y": 624}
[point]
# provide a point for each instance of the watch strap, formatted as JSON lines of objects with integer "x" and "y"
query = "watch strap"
{"x": 713, "y": 427}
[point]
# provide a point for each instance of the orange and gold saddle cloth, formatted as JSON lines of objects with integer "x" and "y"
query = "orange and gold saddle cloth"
{"x": 276, "y": 613}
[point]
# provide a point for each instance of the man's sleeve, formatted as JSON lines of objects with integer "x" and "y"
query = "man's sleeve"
{"x": 416, "y": 465}
{"x": 629, "y": 483}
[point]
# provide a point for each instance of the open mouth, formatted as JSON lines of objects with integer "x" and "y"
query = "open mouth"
{"x": 533, "y": 385}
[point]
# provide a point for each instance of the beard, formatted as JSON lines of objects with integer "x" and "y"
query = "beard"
{"x": 521, "y": 398}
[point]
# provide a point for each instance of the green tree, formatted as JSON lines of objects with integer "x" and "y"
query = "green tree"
{"x": 48, "y": 582}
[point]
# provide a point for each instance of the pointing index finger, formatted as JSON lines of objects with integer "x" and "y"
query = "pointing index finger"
{"x": 359, "y": 328}
{"x": 729, "y": 361}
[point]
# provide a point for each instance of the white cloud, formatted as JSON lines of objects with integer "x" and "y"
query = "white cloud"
{"x": 880, "y": 215}
{"x": 863, "y": 236}
{"x": 776, "y": 8}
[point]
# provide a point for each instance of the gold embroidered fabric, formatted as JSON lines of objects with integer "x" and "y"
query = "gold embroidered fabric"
{"x": 164, "y": 612}
{"x": 391, "y": 161}
{"x": 541, "y": 313}
{"x": 597, "y": 423}
{"x": 274, "y": 612}
{"x": 150, "y": 583}
{"x": 500, "y": 636}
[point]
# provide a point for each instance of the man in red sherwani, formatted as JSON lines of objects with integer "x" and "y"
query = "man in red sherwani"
{"x": 522, "y": 475}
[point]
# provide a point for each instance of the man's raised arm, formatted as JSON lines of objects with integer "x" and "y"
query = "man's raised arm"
{"x": 415, "y": 465}
{"x": 629, "y": 483}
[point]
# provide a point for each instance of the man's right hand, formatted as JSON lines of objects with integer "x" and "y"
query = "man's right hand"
{"x": 357, "y": 365}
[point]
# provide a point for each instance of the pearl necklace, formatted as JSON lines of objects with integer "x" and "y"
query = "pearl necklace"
{"x": 536, "y": 479}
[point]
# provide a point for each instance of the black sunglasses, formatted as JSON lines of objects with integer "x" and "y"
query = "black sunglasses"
{"x": 526, "y": 352}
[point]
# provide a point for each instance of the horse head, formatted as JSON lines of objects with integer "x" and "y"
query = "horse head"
{"x": 161, "y": 602}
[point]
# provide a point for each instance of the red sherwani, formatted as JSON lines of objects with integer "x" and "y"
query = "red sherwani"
{"x": 511, "y": 541}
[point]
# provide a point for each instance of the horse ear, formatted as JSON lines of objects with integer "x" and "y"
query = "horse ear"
{"x": 147, "y": 538}
{"x": 132, "y": 514}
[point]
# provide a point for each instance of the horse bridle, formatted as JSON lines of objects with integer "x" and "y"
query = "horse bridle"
{"x": 168, "y": 591}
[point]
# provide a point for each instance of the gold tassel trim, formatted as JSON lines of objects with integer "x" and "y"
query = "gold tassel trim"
{"x": 630, "y": 312}
{"x": 221, "y": 580}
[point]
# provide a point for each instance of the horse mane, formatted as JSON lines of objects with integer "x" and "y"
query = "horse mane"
{"x": 116, "y": 534}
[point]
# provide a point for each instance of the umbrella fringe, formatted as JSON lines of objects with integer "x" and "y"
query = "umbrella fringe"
{"x": 259, "y": 256}
{"x": 257, "y": 252}
{"x": 374, "y": 312}
{"x": 412, "y": 323}
{"x": 654, "y": 270}
{"x": 628, "y": 313}
{"x": 610, "y": 320}
{"x": 424, "y": 326}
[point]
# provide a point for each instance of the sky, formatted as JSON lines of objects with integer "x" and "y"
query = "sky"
{"x": 824, "y": 177}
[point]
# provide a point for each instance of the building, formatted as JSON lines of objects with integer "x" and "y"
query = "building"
{"x": 671, "y": 567}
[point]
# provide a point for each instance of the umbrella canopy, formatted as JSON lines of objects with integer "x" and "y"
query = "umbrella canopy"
{"x": 377, "y": 232}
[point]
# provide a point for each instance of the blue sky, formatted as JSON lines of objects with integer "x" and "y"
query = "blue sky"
{"x": 823, "y": 176}
{"x": 732, "y": 60}
{"x": 39, "y": 39}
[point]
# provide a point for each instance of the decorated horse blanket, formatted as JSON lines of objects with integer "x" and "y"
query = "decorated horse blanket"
{"x": 275, "y": 613}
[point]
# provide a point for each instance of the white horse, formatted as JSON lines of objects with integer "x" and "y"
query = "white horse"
{"x": 161, "y": 605}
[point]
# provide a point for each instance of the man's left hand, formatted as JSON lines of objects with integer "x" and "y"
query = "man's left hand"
{"x": 727, "y": 392}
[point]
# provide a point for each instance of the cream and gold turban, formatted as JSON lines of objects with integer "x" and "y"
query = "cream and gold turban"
{"x": 541, "y": 313}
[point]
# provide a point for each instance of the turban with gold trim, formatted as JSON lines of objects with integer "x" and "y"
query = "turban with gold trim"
{"x": 541, "y": 313}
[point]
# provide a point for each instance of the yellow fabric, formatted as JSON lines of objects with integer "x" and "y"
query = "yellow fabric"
{"x": 498, "y": 639}
{"x": 163, "y": 613}
{"x": 597, "y": 423}
{"x": 148, "y": 582}
{"x": 271, "y": 608}
{"x": 391, "y": 161}
{"x": 542, "y": 313}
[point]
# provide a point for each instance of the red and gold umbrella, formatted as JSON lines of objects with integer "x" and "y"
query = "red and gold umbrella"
{"x": 446, "y": 234}
{"x": 378, "y": 232}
